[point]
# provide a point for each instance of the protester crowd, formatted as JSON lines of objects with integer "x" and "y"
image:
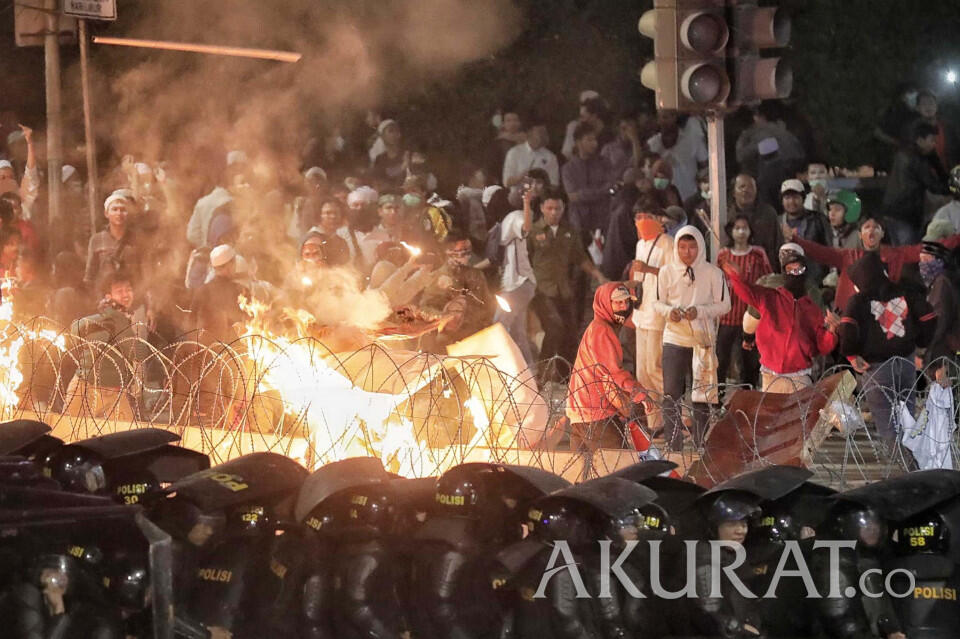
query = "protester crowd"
{"x": 805, "y": 276}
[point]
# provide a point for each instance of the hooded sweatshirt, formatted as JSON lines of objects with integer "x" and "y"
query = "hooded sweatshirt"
{"x": 791, "y": 331}
{"x": 599, "y": 386}
{"x": 701, "y": 285}
{"x": 883, "y": 319}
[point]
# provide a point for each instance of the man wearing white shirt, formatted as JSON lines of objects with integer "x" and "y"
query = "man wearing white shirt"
{"x": 532, "y": 154}
{"x": 518, "y": 284}
{"x": 685, "y": 149}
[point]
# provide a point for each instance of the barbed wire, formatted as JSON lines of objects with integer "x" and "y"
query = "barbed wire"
{"x": 421, "y": 413}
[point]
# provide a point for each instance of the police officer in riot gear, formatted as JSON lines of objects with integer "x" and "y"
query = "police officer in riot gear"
{"x": 792, "y": 519}
{"x": 352, "y": 508}
{"x": 729, "y": 509}
{"x": 572, "y": 522}
{"x": 926, "y": 548}
{"x": 851, "y": 614}
{"x": 129, "y": 465}
{"x": 224, "y": 521}
{"x": 477, "y": 510}
{"x": 865, "y": 515}
{"x": 728, "y": 514}
{"x": 642, "y": 616}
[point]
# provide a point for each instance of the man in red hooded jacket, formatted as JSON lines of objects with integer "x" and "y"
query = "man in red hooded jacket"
{"x": 602, "y": 393}
{"x": 792, "y": 329}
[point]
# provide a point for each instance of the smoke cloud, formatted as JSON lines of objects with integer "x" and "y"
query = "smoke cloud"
{"x": 190, "y": 108}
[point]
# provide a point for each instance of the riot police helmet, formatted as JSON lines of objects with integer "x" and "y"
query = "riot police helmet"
{"x": 774, "y": 524}
{"x": 129, "y": 583}
{"x": 185, "y": 520}
{"x": 862, "y": 524}
{"x": 459, "y": 494}
{"x": 562, "y": 521}
{"x": 249, "y": 519}
{"x": 78, "y": 470}
{"x": 731, "y": 506}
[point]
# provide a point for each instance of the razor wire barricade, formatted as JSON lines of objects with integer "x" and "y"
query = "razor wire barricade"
{"x": 422, "y": 413}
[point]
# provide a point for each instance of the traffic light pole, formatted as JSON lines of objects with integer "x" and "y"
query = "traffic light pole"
{"x": 51, "y": 48}
{"x": 718, "y": 181}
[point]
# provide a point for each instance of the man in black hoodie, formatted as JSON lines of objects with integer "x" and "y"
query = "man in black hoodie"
{"x": 882, "y": 326}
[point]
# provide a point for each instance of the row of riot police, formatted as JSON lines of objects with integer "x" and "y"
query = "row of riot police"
{"x": 131, "y": 535}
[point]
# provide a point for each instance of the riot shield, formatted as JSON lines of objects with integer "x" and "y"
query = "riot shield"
{"x": 19, "y": 434}
{"x": 901, "y": 497}
{"x": 249, "y": 479}
{"x": 770, "y": 483}
{"x": 612, "y": 497}
{"x": 644, "y": 470}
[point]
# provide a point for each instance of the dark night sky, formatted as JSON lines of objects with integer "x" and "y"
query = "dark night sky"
{"x": 848, "y": 55}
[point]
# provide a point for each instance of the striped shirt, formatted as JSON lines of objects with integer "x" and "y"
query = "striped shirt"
{"x": 753, "y": 265}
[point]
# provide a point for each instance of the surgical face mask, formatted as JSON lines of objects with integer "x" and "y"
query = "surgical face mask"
{"x": 660, "y": 183}
{"x": 910, "y": 99}
{"x": 497, "y": 120}
{"x": 818, "y": 182}
{"x": 705, "y": 195}
{"x": 411, "y": 200}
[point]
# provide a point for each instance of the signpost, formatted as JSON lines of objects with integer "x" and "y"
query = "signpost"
{"x": 89, "y": 10}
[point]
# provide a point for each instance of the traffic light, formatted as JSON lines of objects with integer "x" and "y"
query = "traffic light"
{"x": 689, "y": 71}
{"x": 755, "y": 28}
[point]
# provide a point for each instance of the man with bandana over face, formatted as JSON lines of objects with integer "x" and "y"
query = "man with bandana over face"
{"x": 792, "y": 329}
{"x": 940, "y": 278}
{"x": 602, "y": 393}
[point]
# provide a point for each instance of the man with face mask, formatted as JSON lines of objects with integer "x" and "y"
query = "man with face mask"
{"x": 459, "y": 291}
{"x": 792, "y": 329}
{"x": 939, "y": 276}
{"x": 697, "y": 205}
{"x": 654, "y": 250}
{"x": 817, "y": 176}
{"x": 602, "y": 393}
{"x": 763, "y": 219}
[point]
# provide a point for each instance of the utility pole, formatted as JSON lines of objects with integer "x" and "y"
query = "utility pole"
{"x": 718, "y": 180}
{"x": 51, "y": 50}
{"x": 91, "y": 140}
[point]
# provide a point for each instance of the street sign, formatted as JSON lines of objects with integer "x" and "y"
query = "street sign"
{"x": 91, "y": 9}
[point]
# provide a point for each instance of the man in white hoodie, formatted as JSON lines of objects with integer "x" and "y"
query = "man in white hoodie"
{"x": 692, "y": 296}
